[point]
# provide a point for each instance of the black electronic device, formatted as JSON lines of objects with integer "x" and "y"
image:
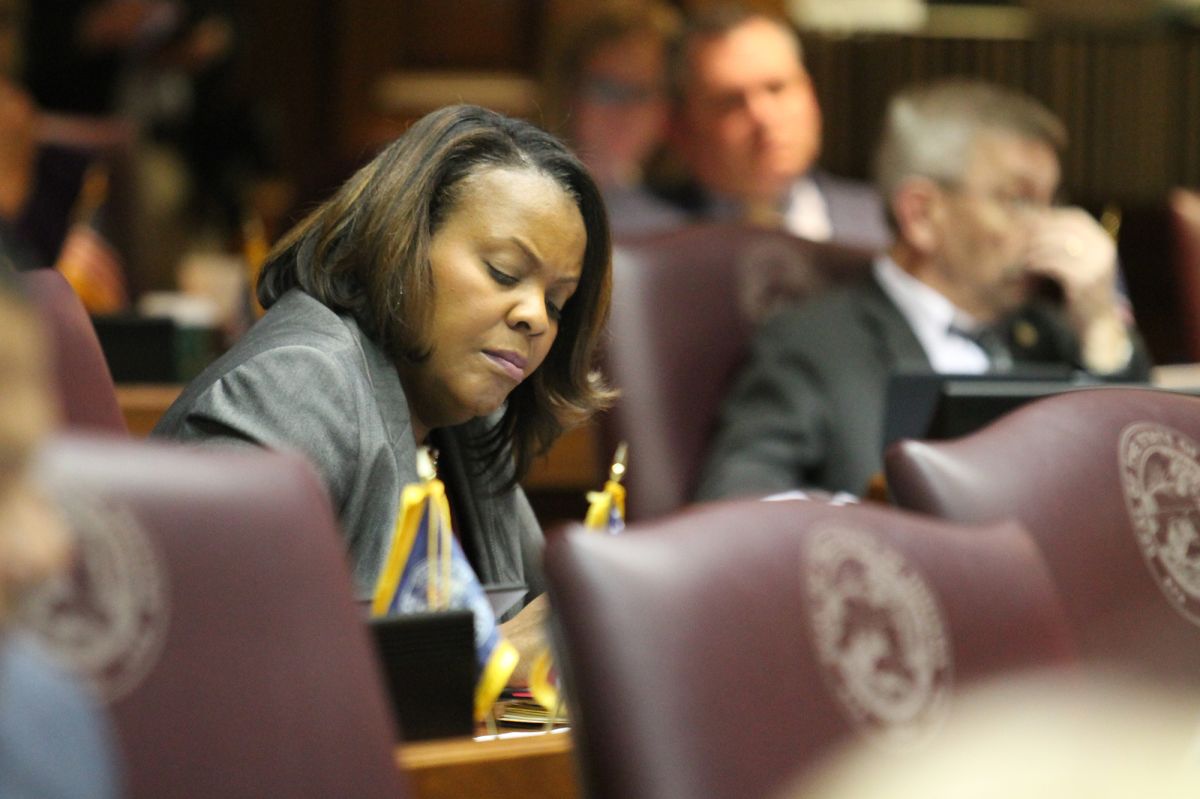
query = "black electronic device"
{"x": 145, "y": 349}
{"x": 430, "y": 669}
{"x": 925, "y": 405}
{"x": 964, "y": 406}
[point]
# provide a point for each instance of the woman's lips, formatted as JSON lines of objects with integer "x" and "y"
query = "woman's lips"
{"x": 512, "y": 363}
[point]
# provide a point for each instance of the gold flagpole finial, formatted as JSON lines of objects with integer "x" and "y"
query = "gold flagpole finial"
{"x": 617, "y": 471}
{"x": 1110, "y": 220}
{"x": 93, "y": 191}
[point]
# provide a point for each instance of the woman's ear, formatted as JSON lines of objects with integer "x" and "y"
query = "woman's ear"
{"x": 918, "y": 209}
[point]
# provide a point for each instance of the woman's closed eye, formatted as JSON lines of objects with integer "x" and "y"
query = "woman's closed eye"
{"x": 554, "y": 310}
{"x": 503, "y": 278}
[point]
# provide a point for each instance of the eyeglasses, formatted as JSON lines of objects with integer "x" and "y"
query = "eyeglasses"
{"x": 1011, "y": 203}
{"x": 607, "y": 91}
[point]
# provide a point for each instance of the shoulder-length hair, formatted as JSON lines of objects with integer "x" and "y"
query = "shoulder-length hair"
{"x": 365, "y": 251}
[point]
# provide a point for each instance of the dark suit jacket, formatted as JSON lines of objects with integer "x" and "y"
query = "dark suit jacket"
{"x": 808, "y": 408}
{"x": 856, "y": 213}
{"x": 632, "y": 211}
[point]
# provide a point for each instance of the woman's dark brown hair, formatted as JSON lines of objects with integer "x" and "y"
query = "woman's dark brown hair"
{"x": 365, "y": 251}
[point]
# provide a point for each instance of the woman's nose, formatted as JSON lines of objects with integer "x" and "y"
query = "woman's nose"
{"x": 529, "y": 313}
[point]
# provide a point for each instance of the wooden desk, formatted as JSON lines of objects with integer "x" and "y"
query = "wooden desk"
{"x": 526, "y": 767}
{"x": 143, "y": 403}
{"x": 574, "y": 463}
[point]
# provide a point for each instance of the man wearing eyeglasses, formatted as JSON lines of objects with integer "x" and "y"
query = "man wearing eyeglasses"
{"x": 606, "y": 81}
{"x": 984, "y": 273}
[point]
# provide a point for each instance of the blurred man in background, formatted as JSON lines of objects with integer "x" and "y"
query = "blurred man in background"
{"x": 607, "y": 81}
{"x": 983, "y": 274}
{"x": 747, "y": 125}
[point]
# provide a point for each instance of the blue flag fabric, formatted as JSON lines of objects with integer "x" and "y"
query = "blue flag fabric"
{"x": 426, "y": 569}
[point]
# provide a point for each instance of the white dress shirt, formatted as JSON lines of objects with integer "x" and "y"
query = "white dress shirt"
{"x": 807, "y": 213}
{"x": 932, "y": 318}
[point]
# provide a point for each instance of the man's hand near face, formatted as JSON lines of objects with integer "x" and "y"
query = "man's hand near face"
{"x": 1068, "y": 246}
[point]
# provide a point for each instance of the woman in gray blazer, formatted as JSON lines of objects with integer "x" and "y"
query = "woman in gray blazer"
{"x": 450, "y": 293}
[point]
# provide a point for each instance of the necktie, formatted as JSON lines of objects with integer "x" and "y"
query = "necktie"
{"x": 992, "y": 343}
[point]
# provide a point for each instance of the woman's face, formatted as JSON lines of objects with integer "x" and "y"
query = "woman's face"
{"x": 505, "y": 260}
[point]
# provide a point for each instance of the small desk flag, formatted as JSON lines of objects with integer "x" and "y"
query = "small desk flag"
{"x": 606, "y": 509}
{"x": 426, "y": 569}
{"x": 605, "y": 514}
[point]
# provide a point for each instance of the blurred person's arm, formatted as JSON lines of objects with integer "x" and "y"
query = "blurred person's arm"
{"x": 769, "y": 435}
{"x": 18, "y": 149}
{"x": 33, "y": 541}
{"x": 122, "y": 24}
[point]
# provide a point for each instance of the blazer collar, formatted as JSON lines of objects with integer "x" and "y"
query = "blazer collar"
{"x": 390, "y": 401}
{"x": 898, "y": 346}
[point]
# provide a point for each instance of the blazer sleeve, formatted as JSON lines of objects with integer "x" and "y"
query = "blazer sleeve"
{"x": 772, "y": 431}
{"x": 293, "y": 397}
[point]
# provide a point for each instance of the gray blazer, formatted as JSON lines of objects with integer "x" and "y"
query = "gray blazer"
{"x": 308, "y": 379}
{"x": 808, "y": 409}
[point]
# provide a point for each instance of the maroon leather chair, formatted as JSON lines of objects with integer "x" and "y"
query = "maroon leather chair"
{"x": 85, "y": 386}
{"x": 719, "y": 651}
{"x": 1183, "y": 206}
{"x": 684, "y": 305}
{"x": 211, "y": 606}
{"x": 1107, "y": 481}
{"x": 1159, "y": 248}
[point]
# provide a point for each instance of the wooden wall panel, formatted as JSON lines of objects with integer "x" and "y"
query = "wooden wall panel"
{"x": 378, "y": 36}
{"x": 1189, "y": 69}
{"x": 1130, "y": 101}
{"x": 288, "y": 65}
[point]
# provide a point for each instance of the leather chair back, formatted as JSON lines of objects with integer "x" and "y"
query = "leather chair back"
{"x": 684, "y": 306}
{"x": 1107, "y": 481}
{"x": 719, "y": 651}
{"x": 87, "y": 395}
{"x": 1183, "y": 206}
{"x": 211, "y": 606}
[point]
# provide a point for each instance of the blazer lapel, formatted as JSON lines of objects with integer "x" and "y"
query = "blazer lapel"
{"x": 394, "y": 416}
{"x": 495, "y": 556}
{"x": 897, "y": 347}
